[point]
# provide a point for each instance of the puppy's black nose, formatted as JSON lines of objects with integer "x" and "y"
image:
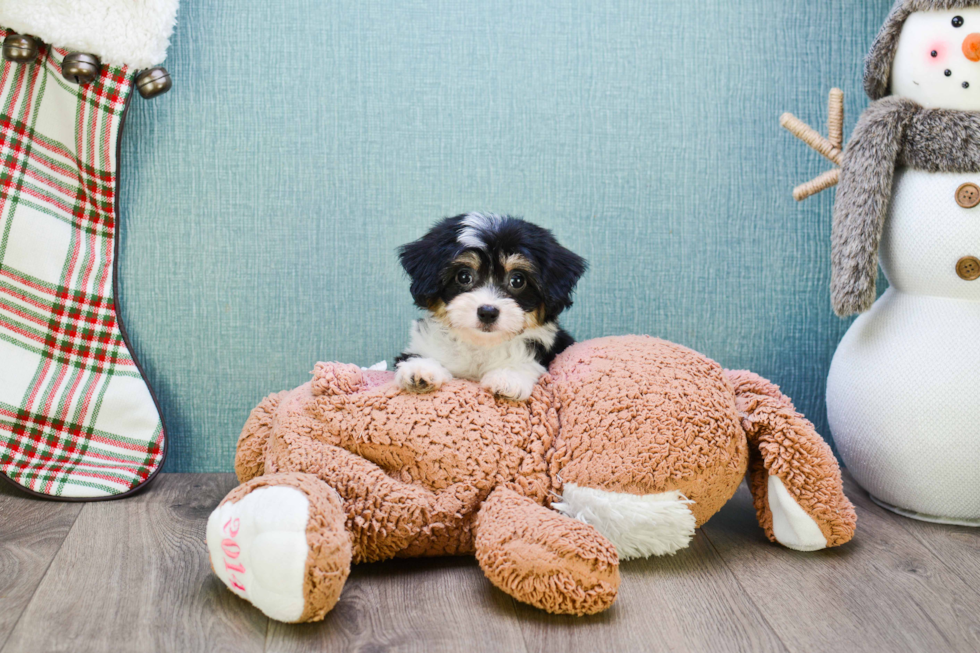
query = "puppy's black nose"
{"x": 488, "y": 314}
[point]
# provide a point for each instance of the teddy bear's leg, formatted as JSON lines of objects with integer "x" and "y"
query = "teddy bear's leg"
{"x": 385, "y": 516}
{"x": 281, "y": 542}
{"x": 543, "y": 558}
{"x": 794, "y": 478}
{"x": 250, "y": 451}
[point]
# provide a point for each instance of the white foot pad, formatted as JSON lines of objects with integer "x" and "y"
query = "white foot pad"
{"x": 258, "y": 549}
{"x": 792, "y": 527}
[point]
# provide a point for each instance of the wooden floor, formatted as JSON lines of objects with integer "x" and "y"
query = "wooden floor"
{"x": 133, "y": 575}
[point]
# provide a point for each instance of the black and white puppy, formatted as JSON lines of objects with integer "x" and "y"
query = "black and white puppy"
{"x": 493, "y": 287}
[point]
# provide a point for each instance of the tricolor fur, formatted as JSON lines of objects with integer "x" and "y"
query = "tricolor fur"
{"x": 493, "y": 287}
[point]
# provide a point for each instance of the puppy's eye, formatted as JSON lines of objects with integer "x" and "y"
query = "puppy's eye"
{"x": 958, "y": 21}
{"x": 465, "y": 277}
{"x": 517, "y": 281}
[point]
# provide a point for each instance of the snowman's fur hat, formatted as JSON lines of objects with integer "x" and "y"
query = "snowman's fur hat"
{"x": 878, "y": 65}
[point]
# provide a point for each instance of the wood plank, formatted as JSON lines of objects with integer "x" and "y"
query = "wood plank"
{"x": 427, "y": 605}
{"x": 134, "y": 575}
{"x": 957, "y": 547}
{"x": 686, "y": 602}
{"x": 884, "y": 591}
{"x": 31, "y": 533}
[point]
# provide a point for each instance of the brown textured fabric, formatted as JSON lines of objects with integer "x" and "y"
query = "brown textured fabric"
{"x": 329, "y": 558}
{"x": 784, "y": 445}
{"x": 543, "y": 559}
{"x": 644, "y": 416}
{"x": 251, "y": 443}
{"x": 631, "y": 414}
{"x": 412, "y": 470}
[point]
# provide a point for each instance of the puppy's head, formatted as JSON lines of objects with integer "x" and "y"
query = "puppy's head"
{"x": 491, "y": 277}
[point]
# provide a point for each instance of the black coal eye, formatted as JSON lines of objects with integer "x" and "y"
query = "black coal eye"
{"x": 465, "y": 277}
{"x": 934, "y": 53}
{"x": 517, "y": 281}
{"x": 949, "y": 73}
{"x": 966, "y": 84}
{"x": 958, "y": 21}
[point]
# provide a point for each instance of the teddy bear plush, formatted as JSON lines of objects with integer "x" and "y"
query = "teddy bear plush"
{"x": 624, "y": 449}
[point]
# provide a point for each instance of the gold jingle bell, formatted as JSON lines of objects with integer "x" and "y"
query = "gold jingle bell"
{"x": 153, "y": 82}
{"x": 20, "y": 48}
{"x": 80, "y": 68}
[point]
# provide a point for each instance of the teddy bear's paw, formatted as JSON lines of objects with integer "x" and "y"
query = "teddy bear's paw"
{"x": 421, "y": 375}
{"x": 515, "y": 385}
{"x": 791, "y": 525}
{"x": 259, "y": 549}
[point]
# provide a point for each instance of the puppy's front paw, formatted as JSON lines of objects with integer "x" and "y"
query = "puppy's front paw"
{"x": 510, "y": 384}
{"x": 421, "y": 375}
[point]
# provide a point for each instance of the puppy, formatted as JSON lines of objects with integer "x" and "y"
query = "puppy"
{"x": 493, "y": 288}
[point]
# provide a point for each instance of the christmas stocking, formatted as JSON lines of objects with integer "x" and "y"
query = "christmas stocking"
{"x": 77, "y": 418}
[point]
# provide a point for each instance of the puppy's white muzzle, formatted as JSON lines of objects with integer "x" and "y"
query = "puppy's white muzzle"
{"x": 464, "y": 313}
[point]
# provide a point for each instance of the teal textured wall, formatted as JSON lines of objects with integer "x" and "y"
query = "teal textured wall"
{"x": 263, "y": 198}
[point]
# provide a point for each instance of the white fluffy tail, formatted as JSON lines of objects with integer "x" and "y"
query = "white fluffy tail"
{"x": 638, "y": 526}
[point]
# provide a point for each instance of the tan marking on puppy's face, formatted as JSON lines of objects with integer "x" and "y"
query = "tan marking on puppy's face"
{"x": 438, "y": 309}
{"x": 467, "y": 259}
{"x": 513, "y": 262}
{"x": 535, "y": 318}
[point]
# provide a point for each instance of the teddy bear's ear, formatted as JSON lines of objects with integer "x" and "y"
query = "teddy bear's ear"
{"x": 332, "y": 379}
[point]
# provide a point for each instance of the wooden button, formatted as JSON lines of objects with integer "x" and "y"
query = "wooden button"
{"x": 968, "y": 268}
{"x": 968, "y": 196}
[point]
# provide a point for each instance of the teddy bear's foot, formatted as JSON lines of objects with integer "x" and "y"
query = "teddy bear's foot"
{"x": 543, "y": 558}
{"x": 281, "y": 543}
{"x": 794, "y": 478}
{"x": 791, "y": 525}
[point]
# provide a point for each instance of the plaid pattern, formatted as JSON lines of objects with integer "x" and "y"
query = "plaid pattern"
{"x": 76, "y": 416}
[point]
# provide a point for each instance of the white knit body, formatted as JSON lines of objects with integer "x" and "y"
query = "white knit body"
{"x": 903, "y": 394}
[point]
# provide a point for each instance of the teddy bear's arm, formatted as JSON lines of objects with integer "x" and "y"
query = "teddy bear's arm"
{"x": 543, "y": 558}
{"x": 790, "y": 465}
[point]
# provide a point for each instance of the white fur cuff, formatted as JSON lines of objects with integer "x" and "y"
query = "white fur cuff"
{"x": 135, "y": 33}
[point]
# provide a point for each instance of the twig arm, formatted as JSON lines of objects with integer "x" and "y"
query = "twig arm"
{"x": 835, "y": 118}
{"x": 830, "y": 147}
{"x": 827, "y": 180}
{"x": 811, "y": 137}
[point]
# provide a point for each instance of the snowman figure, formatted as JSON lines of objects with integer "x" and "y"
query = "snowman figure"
{"x": 903, "y": 394}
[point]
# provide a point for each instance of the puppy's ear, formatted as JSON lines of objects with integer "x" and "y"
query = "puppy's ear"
{"x": 560, "y": 272}
{"x": 427, "y": 259}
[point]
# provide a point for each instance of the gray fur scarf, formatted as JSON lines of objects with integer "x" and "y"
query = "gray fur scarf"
{"x": 892, "y": 132}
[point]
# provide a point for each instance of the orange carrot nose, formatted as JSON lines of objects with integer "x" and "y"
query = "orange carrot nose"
{"x": 971, "y": 47}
